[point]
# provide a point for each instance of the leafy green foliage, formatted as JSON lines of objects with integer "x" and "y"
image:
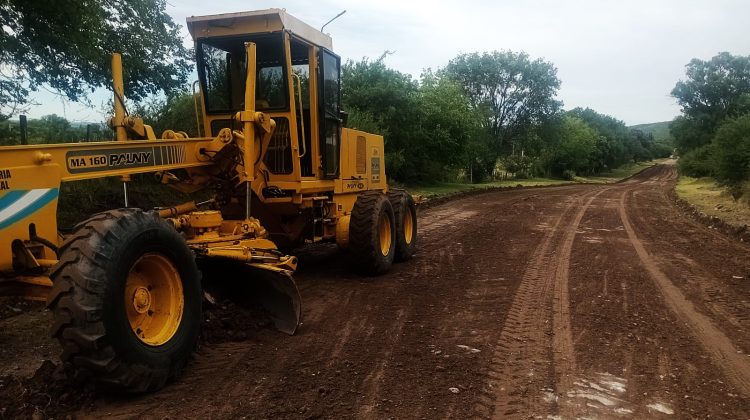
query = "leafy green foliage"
{"x": 483, "y": 115}
{"x": 613, "y": 148}
{"x": 573, "y": 150}
{"x": 732, "y": 151}
{"x": 451, "y": 128}
{"x": 388, "y": 101}
{"x": 521, "y": 166}
{"x": 691, "y": 132}
{"x": 67, "y": 45}
{"x": 715, "y": 89}
{"x": 52, "y": 129}
{"x": 427, "y": 125}
{"x": 175, "y": 113}
{"x": 513, "y": 92}
{"x": 698, "y": 162}
{"x": 587, "y": 143}
{"x": 712, "y": 134}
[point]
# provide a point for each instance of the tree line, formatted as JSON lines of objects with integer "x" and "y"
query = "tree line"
{"x": 481, "y": 117}
{"x": 712, "y": 135}
{"x": 52, "y": 129}
{"x": 485, "y": 115}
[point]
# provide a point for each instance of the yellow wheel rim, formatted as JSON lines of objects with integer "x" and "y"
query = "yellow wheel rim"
{"x": 385, "y": 234}
{"x": 408, "y": 224}
{"x": 153, "y": 299}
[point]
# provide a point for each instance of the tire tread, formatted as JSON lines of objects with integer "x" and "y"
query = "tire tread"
{"x": 76, "y": 299}
{"x": 363, "y": 239}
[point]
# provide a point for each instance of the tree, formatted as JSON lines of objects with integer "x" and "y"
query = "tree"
{"x": 52, "y": 129}
{"x": 714, "y": 97}
{"x": 388, "y": 101}
{"x": 639, "y": 145}
{"x": 713, "y": 91}
{"x": 176, "y": 112}
{"x": 429, "y": 126}
{"x": 515, "y": 92}
{"x": 690, "y": 133}
{"x": 572, "y": 152}
{"x": 612, "y": 145}
{"x": 718, "y": 88}
{"x": 67, "y": 44}
{"x": 450, "y": 127}
{"x": 732, "y": 152}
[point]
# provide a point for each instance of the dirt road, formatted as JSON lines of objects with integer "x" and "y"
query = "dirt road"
{"x": 577, "y": 301}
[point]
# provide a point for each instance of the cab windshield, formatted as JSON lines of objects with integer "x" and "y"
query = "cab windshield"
{"x": 222, "y": 64}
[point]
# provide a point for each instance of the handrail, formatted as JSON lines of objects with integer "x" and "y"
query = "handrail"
{"x": 301, "y": 114}
{"x": 195, "y": 104}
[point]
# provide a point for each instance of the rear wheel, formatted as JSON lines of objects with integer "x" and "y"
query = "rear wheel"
{"x": 372, "y": 233}
{"x": 405, "y": 213}
{"x": 126, "y": 300}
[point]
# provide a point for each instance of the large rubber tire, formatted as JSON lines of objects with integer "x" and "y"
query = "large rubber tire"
{"x": 405, "y": 213}
{"x": 370, "y": 211}
{"x": 89, "y": 303}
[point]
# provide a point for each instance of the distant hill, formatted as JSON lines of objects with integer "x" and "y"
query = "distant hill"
{"x": 660, "y": 130}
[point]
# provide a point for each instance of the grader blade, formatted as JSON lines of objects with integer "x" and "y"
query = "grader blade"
{"x": 277, "y": 292}
{"x": 256, "y": 284}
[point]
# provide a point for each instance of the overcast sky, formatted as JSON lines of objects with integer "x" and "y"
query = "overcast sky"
{"x": 618, "y": 57}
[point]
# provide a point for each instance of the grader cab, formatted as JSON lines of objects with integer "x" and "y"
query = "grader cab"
{"x": 125, "y": 285}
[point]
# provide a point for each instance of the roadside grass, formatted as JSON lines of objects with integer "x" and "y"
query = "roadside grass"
{"x": 714, "y": 200}
{"x": 439, "y": 189}
{"x": 619, "y": 173}
{"x": 446, "y": 188}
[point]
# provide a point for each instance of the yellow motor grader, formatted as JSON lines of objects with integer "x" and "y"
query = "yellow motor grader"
{"x": 125, "y": 286}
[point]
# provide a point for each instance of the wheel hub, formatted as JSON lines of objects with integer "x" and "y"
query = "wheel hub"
{"x": 154, "y": 299}
{"x": 141, "y": 300}
{"x": 384, "y": 232}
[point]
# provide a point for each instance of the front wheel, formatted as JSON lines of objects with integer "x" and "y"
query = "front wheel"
{"x": 126, "y": 299}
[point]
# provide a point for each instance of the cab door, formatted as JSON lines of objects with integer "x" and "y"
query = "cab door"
{"x": 329, "y": 110}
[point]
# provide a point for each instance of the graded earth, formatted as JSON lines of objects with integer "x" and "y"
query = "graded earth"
{"x": 598, "y": 301}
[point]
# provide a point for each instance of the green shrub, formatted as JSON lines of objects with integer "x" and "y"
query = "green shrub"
{"x": 568, "y": 175}
{"x": 732, "y": 151}
{"x": 661, "y": 150}
{"x": 698, "y": 162}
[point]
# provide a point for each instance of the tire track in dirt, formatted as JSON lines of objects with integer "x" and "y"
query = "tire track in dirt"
{"x": 464, "y": 338}
{"x": 373, "y": 381}
{"x": 457, "y": 249}
{"x": 520, "y": 367}
{"x": 635, "y": 357}
{"x": 704, "y": 285}
{"x": 562, "y": 341}
{"x": 711, "y": 275}
{"x": 721, "y": 349}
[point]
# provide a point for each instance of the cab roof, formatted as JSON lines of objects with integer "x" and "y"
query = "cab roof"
{"x": 252, "y": 22}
